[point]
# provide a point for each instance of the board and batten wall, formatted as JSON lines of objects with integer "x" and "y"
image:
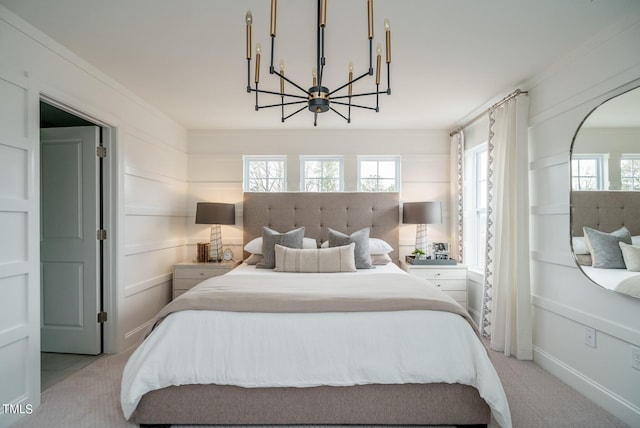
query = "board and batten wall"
{"x": 564, "y": 301}
{"x": 216, "y": 169}
{"x": 148, "y": 189}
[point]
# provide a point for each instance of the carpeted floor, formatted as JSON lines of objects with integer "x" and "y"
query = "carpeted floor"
{"x": 90, "y": 398}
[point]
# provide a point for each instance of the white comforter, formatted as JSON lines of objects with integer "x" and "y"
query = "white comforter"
{"x": 312, "y": 349}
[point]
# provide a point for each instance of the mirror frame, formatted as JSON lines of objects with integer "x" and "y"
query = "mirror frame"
{"x": 631, "y": 86}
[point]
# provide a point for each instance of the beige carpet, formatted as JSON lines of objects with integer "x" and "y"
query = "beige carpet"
{"x": 90, "y": 398}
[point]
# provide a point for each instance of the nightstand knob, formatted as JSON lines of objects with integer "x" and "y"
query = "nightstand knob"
{"x": 201, "y": 273}
{"x": 437, "y": 285}
{"x": 437, "y": 273}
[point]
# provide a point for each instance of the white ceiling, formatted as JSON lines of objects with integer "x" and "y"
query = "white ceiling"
{"x": 450, "y": 57}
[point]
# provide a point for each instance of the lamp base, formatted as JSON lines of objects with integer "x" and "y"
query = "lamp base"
{"x": 421, "y": 238}
{"x": 215, "y": 246}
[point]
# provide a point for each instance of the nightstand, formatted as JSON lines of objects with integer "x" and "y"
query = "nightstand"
{"x": 452, "y": 279}
{"x": 187, "y": 274}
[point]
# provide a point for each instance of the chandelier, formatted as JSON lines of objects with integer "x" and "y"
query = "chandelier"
{"x": 318, "y": 98}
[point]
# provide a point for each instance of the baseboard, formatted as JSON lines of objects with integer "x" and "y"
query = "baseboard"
{"x": 610, "y": 401}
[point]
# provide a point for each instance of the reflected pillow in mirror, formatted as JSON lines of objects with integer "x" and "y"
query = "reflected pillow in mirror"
{"x": 580, "y": 245}
{"x": 605, "y": 251}
{"x": 631, "y": 255}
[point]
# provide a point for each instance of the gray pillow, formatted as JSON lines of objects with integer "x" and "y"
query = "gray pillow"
{"x": 361, "y": 239}
{"x": 604, "y": 247}
{"x": 270, "y": 237}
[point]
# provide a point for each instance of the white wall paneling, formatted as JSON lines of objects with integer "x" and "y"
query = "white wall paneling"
{"x": 19, "y": 251}
{"x": 148, "y": 178}
{"x": 564, "y": 300}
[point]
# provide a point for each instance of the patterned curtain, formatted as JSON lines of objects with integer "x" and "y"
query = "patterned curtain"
{"x": 506, "y": 308}
{"x": 457, "y": 191}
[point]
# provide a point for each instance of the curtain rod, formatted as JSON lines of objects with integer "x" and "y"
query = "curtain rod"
{"x": 493, "y": 107}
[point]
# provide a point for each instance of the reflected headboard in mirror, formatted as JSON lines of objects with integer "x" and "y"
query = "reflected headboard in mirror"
{"x": 342, "y": 211}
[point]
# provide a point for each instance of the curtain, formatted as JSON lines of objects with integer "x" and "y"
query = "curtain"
{"x": 506, "y": 308}
{"x": 457, "y": 187}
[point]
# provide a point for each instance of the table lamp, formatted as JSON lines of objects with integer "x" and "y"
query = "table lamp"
{"x": 421, "y": 214}
{"x": 215, "y": 214}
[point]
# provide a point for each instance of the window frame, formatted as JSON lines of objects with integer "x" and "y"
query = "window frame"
{"x": 635, "y": 158}
{"x": 474, "y": 229}
{"x": 322, "y": 159}
{"x": 247, "y": 159}
{"x": 599, "y": 176}
{"x": 387, "y": 158}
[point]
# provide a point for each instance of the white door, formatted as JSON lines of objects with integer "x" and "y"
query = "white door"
{"x": 69, "y": 249}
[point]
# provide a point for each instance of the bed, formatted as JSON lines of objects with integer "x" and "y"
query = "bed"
{"x": 331, "y": 354}
{"x": 606, "y": 211}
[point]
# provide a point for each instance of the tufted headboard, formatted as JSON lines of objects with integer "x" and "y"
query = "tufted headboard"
{"x": 605, "y": 210}
{"x": 345, "y": 212}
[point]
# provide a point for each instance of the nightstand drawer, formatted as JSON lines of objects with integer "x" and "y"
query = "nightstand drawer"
{"x": 450, "y": 284}
{"x": 201, "y": 274}
{"x": 433, "y": 274}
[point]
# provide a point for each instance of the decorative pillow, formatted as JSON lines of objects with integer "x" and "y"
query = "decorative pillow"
{"x": 360, "y": 238}
{"x": 580, "y": 245}
{"x": 270, "y": 237}
{"x": 336, "y": 259}
{"x": 376, "y": 246}
{"x": 631, "y": 256}
{"x": 255, "y": 245}
{"x": 605, "y": 251}
{"x": 584, "y": 259}
{"x": 254, "y": 259}
{"x": 380, "y": 259}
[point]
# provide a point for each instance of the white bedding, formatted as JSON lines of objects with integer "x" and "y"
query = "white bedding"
{"x": 620, "y": 280}
{"x": 312, "y": 349}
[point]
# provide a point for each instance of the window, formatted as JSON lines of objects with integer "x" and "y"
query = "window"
{"x": 475, "y": 210}
{"x": 379, "y": 174}
{"x": 265, "y": 174}
{"x": 630, "y": 172}
{"x": 586, "y": 172}
{"x": 321, "y": 174}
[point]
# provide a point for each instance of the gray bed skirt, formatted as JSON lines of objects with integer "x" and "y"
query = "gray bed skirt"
{"x": 409, "y": 404}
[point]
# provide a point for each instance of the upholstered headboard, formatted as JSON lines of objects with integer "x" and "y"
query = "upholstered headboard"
{"x": 345, "y": 212}
{"x": 605, "y": 210}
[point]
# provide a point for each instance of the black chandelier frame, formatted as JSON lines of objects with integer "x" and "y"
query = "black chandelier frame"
{"x": 318, "y": 98}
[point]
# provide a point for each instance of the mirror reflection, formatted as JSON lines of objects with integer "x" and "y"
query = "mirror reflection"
{"x": 605, "y": 194}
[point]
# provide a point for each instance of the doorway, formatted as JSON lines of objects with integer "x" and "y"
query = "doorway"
{"x": 72, "y": 250}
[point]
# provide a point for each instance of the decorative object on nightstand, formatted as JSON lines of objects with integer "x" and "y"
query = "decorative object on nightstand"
{"x": 186, "y": 275}
{"x": 215, "y": 214}
{"x": 451, "y": 279}
{"x": 421, "y": 214}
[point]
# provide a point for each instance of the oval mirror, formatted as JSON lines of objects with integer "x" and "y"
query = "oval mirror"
{"x": 605, "y": 194}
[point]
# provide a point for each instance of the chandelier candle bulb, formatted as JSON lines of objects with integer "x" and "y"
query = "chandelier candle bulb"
{"x": 274, "y": 6}
{"x": 323, "y": 13}
{"x": 282, "y": 77}
{"x": 249, "y": 20}
{"x": 314, "y": 74}
{"x": 370, "y": 17}
{"x": 387, "y": 30}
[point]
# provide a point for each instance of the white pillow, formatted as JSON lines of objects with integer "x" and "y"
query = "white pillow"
{"x": 377, "y": 246}
{"x": 631, "y": 255}
{"x": 255, "y": 245}
{"x": 635, "y": 240}
{"x": 334, "y": 259}
{"x": 580, "y": 245}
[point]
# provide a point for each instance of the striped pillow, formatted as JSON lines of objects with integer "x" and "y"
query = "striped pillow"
{"x": 336, "y": 259}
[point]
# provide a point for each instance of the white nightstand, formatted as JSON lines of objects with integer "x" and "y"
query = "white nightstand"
{"x": 452, "y": 279}
{"x": 187, "y": 274}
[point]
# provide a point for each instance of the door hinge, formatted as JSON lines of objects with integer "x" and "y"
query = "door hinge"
{"x": 101, "y": 234}
{"x": 101, "y": 151}
{"x": 102, "y": 317}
